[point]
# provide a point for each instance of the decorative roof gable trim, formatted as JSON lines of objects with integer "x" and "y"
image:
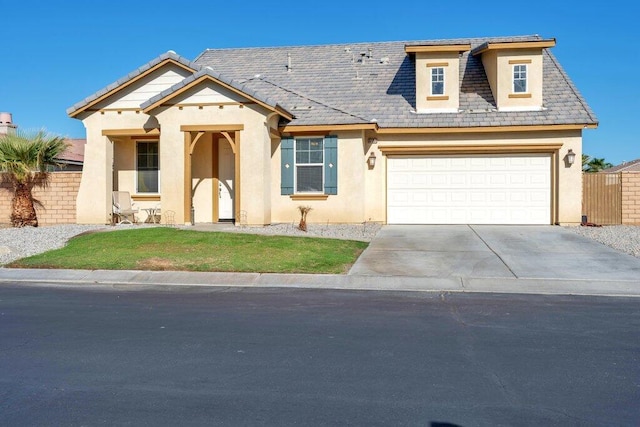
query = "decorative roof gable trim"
{"x": 207, "y": 74}
{"x": 540, "y": 44}
{"x": 485, "y": 129}
{"x": 153, "y": 65}
{"x": 328, "y": 128}
{"x": 437, "y": 48}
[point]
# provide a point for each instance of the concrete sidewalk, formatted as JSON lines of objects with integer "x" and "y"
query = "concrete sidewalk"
{"x": 135, "y": 279}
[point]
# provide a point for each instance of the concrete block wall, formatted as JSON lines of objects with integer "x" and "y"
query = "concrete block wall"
{"x": 630, "y": 198}
{"x": 59, "y": 199}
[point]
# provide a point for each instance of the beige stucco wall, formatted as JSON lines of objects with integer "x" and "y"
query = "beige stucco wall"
{"x": 346, "y": 206}
{"x": 424, "y": 61}
{"x": 500, "y": 75}
{"x": 94, "y": 195}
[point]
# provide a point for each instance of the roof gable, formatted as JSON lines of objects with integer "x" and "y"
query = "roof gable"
{"x": 207, "y": 74}
{"x": 157, "y": 63}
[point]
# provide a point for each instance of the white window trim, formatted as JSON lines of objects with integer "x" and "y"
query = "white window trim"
{"x": 136, "y": 168}
{"x": 431, "y": 81}
{"x": 295, "y": 165}
{"x": 526, "y": 79}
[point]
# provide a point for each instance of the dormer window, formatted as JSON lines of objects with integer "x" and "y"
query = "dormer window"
{"x": 520, "y": 79}
{"x": 437, "y": 81}
{"x": 437, "y": 65}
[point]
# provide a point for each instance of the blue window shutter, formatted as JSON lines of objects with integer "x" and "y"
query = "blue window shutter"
{"x": 286, "y": 165}
{"x": 331, "y": 164}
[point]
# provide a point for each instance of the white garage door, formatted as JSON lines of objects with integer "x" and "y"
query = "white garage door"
{"x": 478, "y": 189}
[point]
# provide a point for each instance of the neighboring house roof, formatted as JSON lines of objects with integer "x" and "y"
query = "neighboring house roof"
{"x": 364, "y": 83}
{"x": 632, "y": 166}
{"x": 382, "y": 89}
{"x": 75, "y": 151}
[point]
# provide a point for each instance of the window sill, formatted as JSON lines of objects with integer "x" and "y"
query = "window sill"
{"x": 152, "y": 197}
{"x": 309, "y": 196}
{"x": 519, "y": 95}
{"x": 438, "y": 98}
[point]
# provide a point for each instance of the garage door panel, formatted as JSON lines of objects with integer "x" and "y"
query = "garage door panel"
{"x": 473, "y": 189}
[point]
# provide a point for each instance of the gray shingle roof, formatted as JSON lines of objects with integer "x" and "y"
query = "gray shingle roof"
{"x": 135, "y": 73}
{"x": 342, "y": 87}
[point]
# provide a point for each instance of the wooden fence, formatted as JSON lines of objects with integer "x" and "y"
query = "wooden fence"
{"x": 602, "y": 198}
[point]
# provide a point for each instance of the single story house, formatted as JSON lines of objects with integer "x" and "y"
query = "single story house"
{"x": 478, "y": 131}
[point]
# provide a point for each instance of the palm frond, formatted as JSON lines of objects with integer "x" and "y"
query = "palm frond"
{"x": 25, "y": 154}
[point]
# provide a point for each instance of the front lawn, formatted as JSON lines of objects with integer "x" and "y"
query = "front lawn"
{"x": 174, "y": 249}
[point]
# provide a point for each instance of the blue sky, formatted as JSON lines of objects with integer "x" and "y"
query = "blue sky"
{"x": 58, "y": 52}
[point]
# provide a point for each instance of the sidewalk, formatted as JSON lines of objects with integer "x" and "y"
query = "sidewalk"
{"x": 629, "y": 288}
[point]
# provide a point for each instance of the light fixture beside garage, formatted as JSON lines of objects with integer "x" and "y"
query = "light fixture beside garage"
{"x": 571, "y": 157}
{"x": 371, "y": 161}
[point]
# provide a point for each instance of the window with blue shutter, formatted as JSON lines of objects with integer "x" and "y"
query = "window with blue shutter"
{"x": 331, "y": 165}
{"x": 309, "y": 165}
{"x": 287, "y": 165}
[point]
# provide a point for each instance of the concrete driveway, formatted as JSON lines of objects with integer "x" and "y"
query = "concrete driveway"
{"x": 492, "y": 251}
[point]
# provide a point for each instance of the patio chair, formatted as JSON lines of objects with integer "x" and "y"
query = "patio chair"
{"x": 123, "y": 208}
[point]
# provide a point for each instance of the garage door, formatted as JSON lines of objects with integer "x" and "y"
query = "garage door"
{"x": 477, "y": 189}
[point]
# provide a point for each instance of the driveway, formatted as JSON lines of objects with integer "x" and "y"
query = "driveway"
{"x": 492, "y": 251}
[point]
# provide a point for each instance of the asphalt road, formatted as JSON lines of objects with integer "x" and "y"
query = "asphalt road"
{"x": 238, "y": 356}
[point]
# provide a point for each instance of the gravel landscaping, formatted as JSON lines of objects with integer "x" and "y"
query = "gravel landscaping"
{"x": 625, "y": 238}
{"x": 21, "y": 242}
{"x": 18, "y": 243}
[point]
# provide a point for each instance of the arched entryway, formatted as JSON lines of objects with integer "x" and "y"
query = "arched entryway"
{"x": 221, "y": 163}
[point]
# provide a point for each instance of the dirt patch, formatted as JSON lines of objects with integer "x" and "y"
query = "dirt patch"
{"x": 156, "y": 264}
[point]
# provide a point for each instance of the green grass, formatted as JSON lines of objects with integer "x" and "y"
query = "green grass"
{"x": 185, "y": 250}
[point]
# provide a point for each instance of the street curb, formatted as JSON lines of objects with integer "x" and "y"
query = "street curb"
{"x": 617, "y": 288}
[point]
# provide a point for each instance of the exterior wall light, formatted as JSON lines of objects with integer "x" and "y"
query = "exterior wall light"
{"x": 371, "y": 161}
{"x": 571, "y": 157}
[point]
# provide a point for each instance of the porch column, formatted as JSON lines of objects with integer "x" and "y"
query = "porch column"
{"x": 236, "y": 178}
{"x": 191, "y": 139}
{"x": 93, "y": 204}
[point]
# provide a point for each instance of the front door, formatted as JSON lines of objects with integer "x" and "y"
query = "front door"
{"x": 226, "y": 170}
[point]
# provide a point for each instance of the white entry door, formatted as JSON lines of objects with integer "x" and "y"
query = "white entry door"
{"x": 474, "y": 189}
{"x": 226, "y": 169}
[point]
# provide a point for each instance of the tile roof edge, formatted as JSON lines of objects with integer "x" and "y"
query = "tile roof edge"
{"x": 574, "y": 89}
{"x": 448, "y": 40}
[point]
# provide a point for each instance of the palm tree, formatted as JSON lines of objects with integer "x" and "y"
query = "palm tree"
{"x": 26, "y": 159}
{"x": 596, "y": 165}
